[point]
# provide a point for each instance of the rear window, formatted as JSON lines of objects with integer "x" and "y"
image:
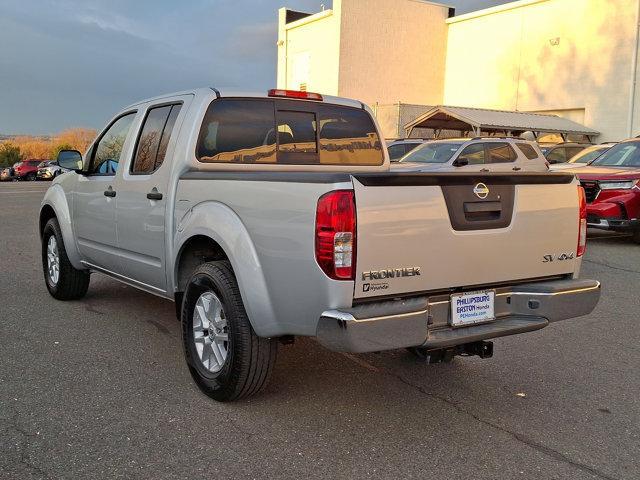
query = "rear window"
{"x": 289, "y": 132}
{"x": 527, "y": 150}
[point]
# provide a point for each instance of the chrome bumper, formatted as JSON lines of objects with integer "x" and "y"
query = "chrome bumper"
{"x": 425, "y": 321}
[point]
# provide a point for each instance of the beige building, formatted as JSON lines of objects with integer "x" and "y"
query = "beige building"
{"x": 573, "y": 58}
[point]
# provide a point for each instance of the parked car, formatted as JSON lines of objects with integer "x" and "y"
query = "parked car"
{"x": 26, "y": 170}
{"x": 6, "y": 174}
{"x": 48, "y": 170}
{"x": 612, "y": 186}
{"x": 399, "y": 148}
{"x": 562, "y": 152}
{"x": 250, "y": 227}
{"x": 583, "y": 158}
{"x": 491, "y": 154}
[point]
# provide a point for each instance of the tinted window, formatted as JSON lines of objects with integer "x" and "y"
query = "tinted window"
{"x": 557, "y": 155}
{"x": 166, "y": 134}
{"x": 108, "y": 150}
{"x": 154, "y": 138}
{"x": 588, "y": 154}
{"x": 147, "y": 148}
{"x": 500, "y": 153}
{"x": 573, "y": 151}
{"x": 297, "y": 132}
{"x": 396, "y": 151}
{"x": 410, "y": 146}
{"x": 622, "y": 155}
{"x": 473, "y": 154}
{"x": 528, "y": 150}
{"x": 348, "y": 137}
{"x": 244, "y": 131}
{"x": 238, "y": 131}
{"x": 432, "y": 153}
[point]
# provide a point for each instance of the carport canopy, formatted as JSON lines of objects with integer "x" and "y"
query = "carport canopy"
{"x": 479, "y": 120}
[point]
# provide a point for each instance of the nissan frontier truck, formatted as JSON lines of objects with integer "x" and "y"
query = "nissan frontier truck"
{"x": 266, "y": 217}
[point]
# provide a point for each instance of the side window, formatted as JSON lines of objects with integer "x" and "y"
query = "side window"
{"x": 498, "y": 152}
{"x": 528, "y": 151}
{"x": 573, "y": 151}
{"x": 108, "y": 150}
{"x": 557, "y": 155}
{"x": 473, "y": 154}
{"x": 410, "y": 146}
{"x": 154, "y": 138}
{"x": 396, "y": 151}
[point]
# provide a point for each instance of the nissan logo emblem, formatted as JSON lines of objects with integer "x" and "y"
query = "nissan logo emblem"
{"x": 481, "y": 191}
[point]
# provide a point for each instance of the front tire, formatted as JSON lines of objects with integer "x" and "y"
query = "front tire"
{"x": 226, "y": 358}
{"x": 63, "y": 281}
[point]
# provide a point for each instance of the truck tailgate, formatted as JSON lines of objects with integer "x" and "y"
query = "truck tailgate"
{"x": 423, "y": 232}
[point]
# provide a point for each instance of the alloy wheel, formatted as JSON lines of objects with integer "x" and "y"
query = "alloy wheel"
{"x": 210, "y": 332}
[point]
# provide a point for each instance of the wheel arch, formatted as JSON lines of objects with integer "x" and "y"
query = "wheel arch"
{"x": 46, "y": 213}
{"x": 212, "y": 231}
{"x": 55, "y": 205}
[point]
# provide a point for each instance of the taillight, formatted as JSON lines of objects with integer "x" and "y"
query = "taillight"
{"x": 276, "y": 92}
{"x": 336, "y": 234}
{"x": 582, "y": 222}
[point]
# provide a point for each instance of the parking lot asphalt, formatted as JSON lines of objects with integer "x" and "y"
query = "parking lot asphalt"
{"x": 98, "y": 389}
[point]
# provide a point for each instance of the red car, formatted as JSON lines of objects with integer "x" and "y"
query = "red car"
{"x": 26, "y": 170}
{"x": 612, "y": 187}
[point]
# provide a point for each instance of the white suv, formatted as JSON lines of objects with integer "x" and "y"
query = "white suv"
{"x": 492, "y": 154}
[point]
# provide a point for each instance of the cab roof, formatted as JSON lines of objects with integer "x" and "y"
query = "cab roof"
{"x": 212, "y": 92}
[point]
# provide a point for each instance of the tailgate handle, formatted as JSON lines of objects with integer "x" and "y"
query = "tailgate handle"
{"x": 475, "y": 207}
{"x": 479, "y": 211}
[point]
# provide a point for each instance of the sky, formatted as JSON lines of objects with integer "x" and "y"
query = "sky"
{"x": 75, "y": 63}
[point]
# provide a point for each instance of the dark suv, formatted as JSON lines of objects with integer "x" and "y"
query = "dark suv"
{"x": 27, "y": 170}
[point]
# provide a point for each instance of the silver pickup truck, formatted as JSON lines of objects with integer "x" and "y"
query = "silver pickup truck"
{"x": 264, "y": 217}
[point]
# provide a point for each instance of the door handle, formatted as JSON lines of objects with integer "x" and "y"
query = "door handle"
{"x": 515, "y": 169}
{"x": 154, "y": 194}
{"x": 484, "y": 169}
{"x": 110, "y": 192}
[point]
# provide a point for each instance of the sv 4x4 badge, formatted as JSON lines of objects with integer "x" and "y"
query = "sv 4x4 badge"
{"x": 563, "y": 256}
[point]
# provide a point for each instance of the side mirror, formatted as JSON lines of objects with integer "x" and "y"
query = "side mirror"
{"x": 461, "y": 162}
{"x": 70, "y": 159}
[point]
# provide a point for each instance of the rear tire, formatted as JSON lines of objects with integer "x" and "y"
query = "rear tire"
{"x": 63, "y": 280}
{"x": 226, "y": 358}
{"x": 636, "y": 236}
{"x": 31, "y": 177}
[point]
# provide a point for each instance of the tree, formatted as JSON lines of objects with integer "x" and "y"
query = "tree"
{"x": 9, "y": 154}
{"x": 78, "y": 138}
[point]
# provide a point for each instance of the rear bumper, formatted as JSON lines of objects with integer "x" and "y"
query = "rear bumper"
{"x": 617, "y": 224}
{"x": 425, "y": 321}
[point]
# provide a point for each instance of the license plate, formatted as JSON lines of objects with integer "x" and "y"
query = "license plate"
{"x": 472, "y": 307}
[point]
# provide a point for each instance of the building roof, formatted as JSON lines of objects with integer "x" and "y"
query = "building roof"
{"x": 479, "y": 119}
{"x": 491, "y": 10}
